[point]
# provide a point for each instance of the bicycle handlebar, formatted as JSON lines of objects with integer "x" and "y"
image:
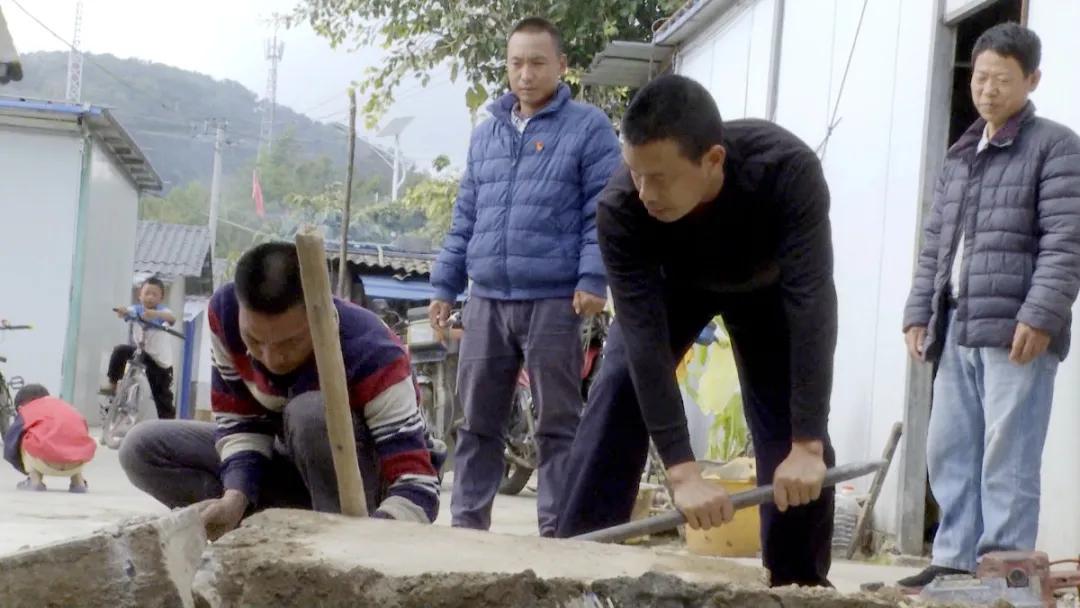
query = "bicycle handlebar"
{"x": 148, "y": 325}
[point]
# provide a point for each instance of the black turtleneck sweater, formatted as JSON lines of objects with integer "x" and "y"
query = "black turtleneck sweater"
{"x": 768, "y": 227}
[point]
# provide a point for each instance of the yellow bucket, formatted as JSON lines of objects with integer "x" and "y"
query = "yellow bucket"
{"x": 740, "y": 538}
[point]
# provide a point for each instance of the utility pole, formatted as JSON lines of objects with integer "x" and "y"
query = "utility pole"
{"x": 397, "y": 168}
{"x": 220, "y": 126}
{"x": 343, "y": 259}
{"x": 394, "y": 129}
{"x": 75, "y": 60}
{"x": 275, "y": 50}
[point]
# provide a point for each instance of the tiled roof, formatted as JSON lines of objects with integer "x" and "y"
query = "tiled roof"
{"x": 171, "y": 250}
{"x": 385, "y": 258}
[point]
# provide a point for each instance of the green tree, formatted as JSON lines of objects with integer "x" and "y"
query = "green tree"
{"x": 188, "y": 204}
{"x": 469, "y": 37}
{"x": 298, "y": 189}
{"x": 434, "y": 198}
{"x": 385, "y": 222}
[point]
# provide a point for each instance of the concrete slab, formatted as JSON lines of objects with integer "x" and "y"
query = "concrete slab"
{"x": 300, "y": 558}
{"x": 147, "y": 563}
{"x": 35, "y": 519}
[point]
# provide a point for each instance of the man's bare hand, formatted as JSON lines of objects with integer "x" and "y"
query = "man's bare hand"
{"x": 586, "y": 304}
{"x": 1028, "y": 343}
{"x": 915, "y": 337}
{"x": 705, "y": 505}
{"x": 121, "y": 311}
{"x": 798, "y": 480}
{"x": 221, "y": 515}
{"x": 439, "y": 313}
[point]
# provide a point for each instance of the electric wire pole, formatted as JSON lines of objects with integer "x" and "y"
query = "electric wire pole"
{"x": 220, "y": 126}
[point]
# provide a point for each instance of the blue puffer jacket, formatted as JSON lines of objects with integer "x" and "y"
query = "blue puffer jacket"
{"x": 524, "y": 225}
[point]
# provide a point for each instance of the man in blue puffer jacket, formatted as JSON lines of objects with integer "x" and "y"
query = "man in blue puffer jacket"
{"x": 524, "y": 233}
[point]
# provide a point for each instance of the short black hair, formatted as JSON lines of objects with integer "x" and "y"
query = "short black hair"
{"x": 538, "y": 25}
{"x": 268, "y": 278}
{"x": 30, "y": 392}
{"x": 677, "y": 108}
{"x": 156, "y": 282}
{"x": 1011, "y": 40}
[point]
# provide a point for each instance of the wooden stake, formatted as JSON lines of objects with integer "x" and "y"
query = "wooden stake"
{"x": 862, "y": 526}
{"x": 323, "y": 319}
{"x": 344, "y": 286}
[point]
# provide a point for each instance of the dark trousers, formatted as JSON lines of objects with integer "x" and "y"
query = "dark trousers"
{"x": 175, "y": 461}
{"x": 609, "y": 452}
{"x": 500, "y": 337}
{"x": 160, "y": 378}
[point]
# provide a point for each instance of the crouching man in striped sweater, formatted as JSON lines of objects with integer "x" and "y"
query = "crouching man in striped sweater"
{"x": 268, "y": 446}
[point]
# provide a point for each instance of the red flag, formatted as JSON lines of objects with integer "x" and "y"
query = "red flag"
{"x": 257, "y": 195}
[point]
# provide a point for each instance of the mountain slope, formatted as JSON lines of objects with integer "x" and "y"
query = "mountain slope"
{"x": 165, "y": 109}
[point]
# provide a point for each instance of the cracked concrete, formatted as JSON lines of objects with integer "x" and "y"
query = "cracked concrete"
{"x": 299, "y": 558}
{"x": 306, "y": 559}
{"x": 149, "y": 562}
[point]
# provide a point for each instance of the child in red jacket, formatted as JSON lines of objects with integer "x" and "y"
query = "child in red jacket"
{"x": 48, "y": 438}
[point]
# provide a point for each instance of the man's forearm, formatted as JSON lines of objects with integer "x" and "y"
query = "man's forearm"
{"x": 652, "y": 369}
{"x": 813, "y": 326}
{"x": 243, "y": 474}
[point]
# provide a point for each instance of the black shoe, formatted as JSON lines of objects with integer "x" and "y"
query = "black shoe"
{"x": 928, "y": 575}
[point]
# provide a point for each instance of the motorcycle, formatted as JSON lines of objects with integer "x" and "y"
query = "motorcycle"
{"x": 434, "y": 360}
{"x": 390, "y": 317}
{"x": 521, "y": 454}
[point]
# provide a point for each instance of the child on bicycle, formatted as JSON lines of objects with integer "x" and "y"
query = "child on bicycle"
{"x": 48, "y": 438}
{"x": 157, "y": 351}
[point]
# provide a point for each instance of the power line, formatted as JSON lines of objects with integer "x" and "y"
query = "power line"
{"x": 322, "y": 103}
{"x": 409, "y": 93}
{"x": 834, "y": 121}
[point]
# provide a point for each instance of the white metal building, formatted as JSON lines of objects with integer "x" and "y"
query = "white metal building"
{"x": 70, "y": 179}
{"x": 787, "y": 60}
{"x": 10, "y": 68}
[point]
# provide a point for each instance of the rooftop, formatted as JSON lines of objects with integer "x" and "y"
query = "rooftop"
{"x": 171, "y": 250}
{"x": 101, "y": 123}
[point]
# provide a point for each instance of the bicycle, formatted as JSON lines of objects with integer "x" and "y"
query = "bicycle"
{"x": 7, "y": 387}
{"x": 133, "y": 399}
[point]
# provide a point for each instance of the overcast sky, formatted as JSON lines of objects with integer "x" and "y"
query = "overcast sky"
{"x": 225, "y": 39}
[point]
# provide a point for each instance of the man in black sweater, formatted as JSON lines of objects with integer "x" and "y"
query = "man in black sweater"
{"x": 709, "y": 218}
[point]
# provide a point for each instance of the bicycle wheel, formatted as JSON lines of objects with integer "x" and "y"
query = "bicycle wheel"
{"x": 123, "y": 412}
{"x": 7, "y": 409}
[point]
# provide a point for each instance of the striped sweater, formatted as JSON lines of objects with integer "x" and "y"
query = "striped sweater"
{"x": 247, "y": 402}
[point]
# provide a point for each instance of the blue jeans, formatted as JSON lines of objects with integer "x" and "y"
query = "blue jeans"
{"x": 984, "y": 450}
